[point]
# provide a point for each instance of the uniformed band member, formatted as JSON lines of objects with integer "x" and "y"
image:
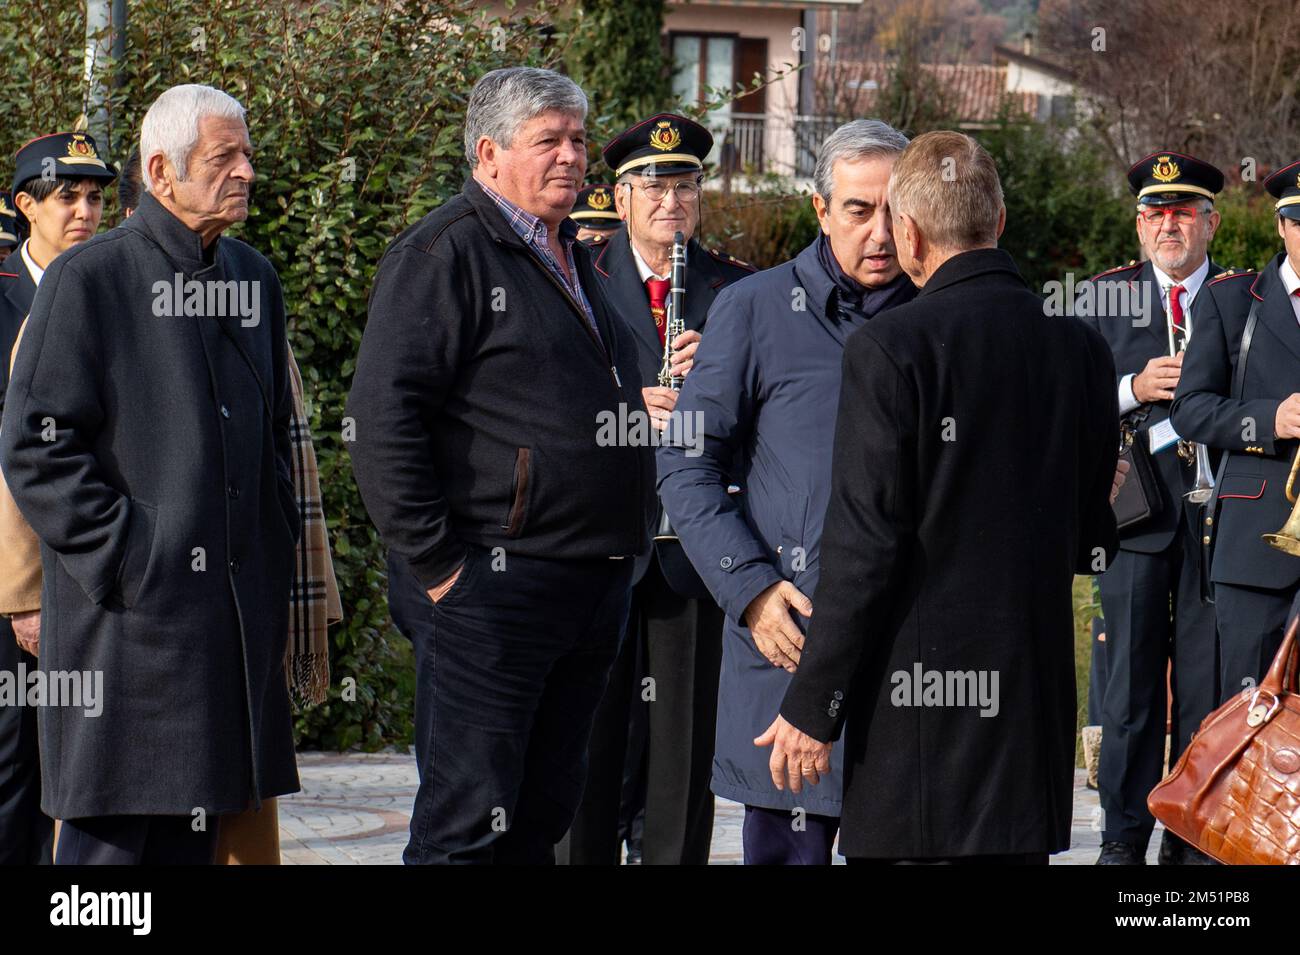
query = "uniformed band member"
{"x": 675, "y": 640}
{"x": 1151, "y": 593}
{"x": 8, "y": 225}
{"x": 1254, "y": 414}
{"x": 59, "y": 212}
{"x": 595, "y": 214}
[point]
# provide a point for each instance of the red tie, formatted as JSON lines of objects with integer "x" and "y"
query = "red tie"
{"x": 658, "y": 289}
{"x": 1176, "y": 312}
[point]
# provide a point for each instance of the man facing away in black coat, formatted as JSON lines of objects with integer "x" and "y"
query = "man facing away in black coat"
{"x": 975, "y": 450}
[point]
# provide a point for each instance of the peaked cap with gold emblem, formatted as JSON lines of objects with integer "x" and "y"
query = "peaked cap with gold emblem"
{"x": 61, "y": 154}
{"x": 595, "y": 208}
{"x": 662, "y": 145}
{"x": 1167, "y": 177}
{"x": 1284, "y": 186}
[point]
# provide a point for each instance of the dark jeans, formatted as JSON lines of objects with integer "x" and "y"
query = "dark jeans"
{"x": 509, "y": 680}
{"x": 771, "y": 837}
{"x": 26, "y": 833}
{"x": 136, "y": 840}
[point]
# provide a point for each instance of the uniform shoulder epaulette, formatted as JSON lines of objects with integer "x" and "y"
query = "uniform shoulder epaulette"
{"x": 1132, "y": 264}
{"x": 731, "y": 260}
{"x": 1232, "y": 274}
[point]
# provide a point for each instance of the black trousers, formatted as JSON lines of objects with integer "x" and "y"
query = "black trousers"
{"x": 1153, "y": 611}
{"x": 1252, "y": 622}
{"x": 26, "y": 833}
{"x": 1030, "y": 858}
{"x": 509, "y": 677}
{"x": 137, "y": 840}
{"x": 678, "y": 643}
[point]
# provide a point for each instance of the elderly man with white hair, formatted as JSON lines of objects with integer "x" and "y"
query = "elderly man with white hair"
{"x": 146, "y": 439}
{"x": 488, "y": 362}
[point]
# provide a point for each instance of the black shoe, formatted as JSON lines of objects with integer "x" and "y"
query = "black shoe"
{"x": 1172, "y": 850}
{"x": 1120, "y": 853}
{"x": 1194, "y": 856}
{"x": 1175, "y": 851}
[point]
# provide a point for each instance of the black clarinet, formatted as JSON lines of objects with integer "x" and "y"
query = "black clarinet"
{"x": 674, "y": 563}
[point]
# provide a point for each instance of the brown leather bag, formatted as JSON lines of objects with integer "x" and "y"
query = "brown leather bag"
{"x": 1235, "y": 792}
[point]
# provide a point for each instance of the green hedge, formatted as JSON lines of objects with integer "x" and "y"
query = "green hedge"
{"x": 355, "y": 112}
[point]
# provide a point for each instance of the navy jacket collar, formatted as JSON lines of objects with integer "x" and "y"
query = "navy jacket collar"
{"x": 817, "y": 285}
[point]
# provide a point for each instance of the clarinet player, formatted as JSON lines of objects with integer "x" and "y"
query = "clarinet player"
{"x": 652, "y": 745}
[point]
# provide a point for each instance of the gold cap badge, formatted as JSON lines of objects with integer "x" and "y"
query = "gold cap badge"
{"x": 665, "y": 136}
{"x": 1165, "y": 169}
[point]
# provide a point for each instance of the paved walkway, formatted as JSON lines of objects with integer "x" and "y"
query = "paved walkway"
{"x": 355, "y": 807}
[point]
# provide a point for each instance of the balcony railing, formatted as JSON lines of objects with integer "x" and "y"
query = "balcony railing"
{"x": 759, "y": 143}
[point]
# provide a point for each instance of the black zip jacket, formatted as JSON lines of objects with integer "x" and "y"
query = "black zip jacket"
{"x": 478, "y": 399}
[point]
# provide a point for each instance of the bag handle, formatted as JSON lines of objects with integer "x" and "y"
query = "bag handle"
{"x": 1281, "y": 675}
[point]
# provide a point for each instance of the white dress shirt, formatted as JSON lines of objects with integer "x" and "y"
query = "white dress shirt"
{"x": 642, "y": 268}
{"x": 1292, "y": 282}
{"x": 36, "y": 271}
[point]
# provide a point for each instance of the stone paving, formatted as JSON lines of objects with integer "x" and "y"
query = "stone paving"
{"x": 354, "y": 809}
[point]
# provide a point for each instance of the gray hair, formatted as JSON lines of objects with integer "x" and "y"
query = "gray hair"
{"x": 171, "y": 126}
{"x": 503, "y": 100}
{"x": 854, "y": 141}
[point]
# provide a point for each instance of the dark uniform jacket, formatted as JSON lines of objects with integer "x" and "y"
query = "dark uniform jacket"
{"x": 166, "y": 513}
{"x": 974, "y": 453}
{"x": 707, "y": 273}
{"x": 1133, "y": 344}
{"x": 1251, "y": 496}
{"x": 16, "y": 293}
{"x": 478, "y": 400}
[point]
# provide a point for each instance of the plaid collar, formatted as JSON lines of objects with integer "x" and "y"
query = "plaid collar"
{"x": 526, "y": 225}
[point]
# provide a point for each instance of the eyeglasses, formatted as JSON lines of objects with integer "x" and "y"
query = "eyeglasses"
{"x": 1180, "y": 216}
{"x": 685, "y": 190}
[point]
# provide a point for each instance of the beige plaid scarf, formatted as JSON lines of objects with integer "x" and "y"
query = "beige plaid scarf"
{"x": 314, "y": 601}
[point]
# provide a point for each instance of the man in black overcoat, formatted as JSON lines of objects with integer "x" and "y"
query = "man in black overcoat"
{"x": 975, "y": 452}
{"x": 145, "y": 438}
